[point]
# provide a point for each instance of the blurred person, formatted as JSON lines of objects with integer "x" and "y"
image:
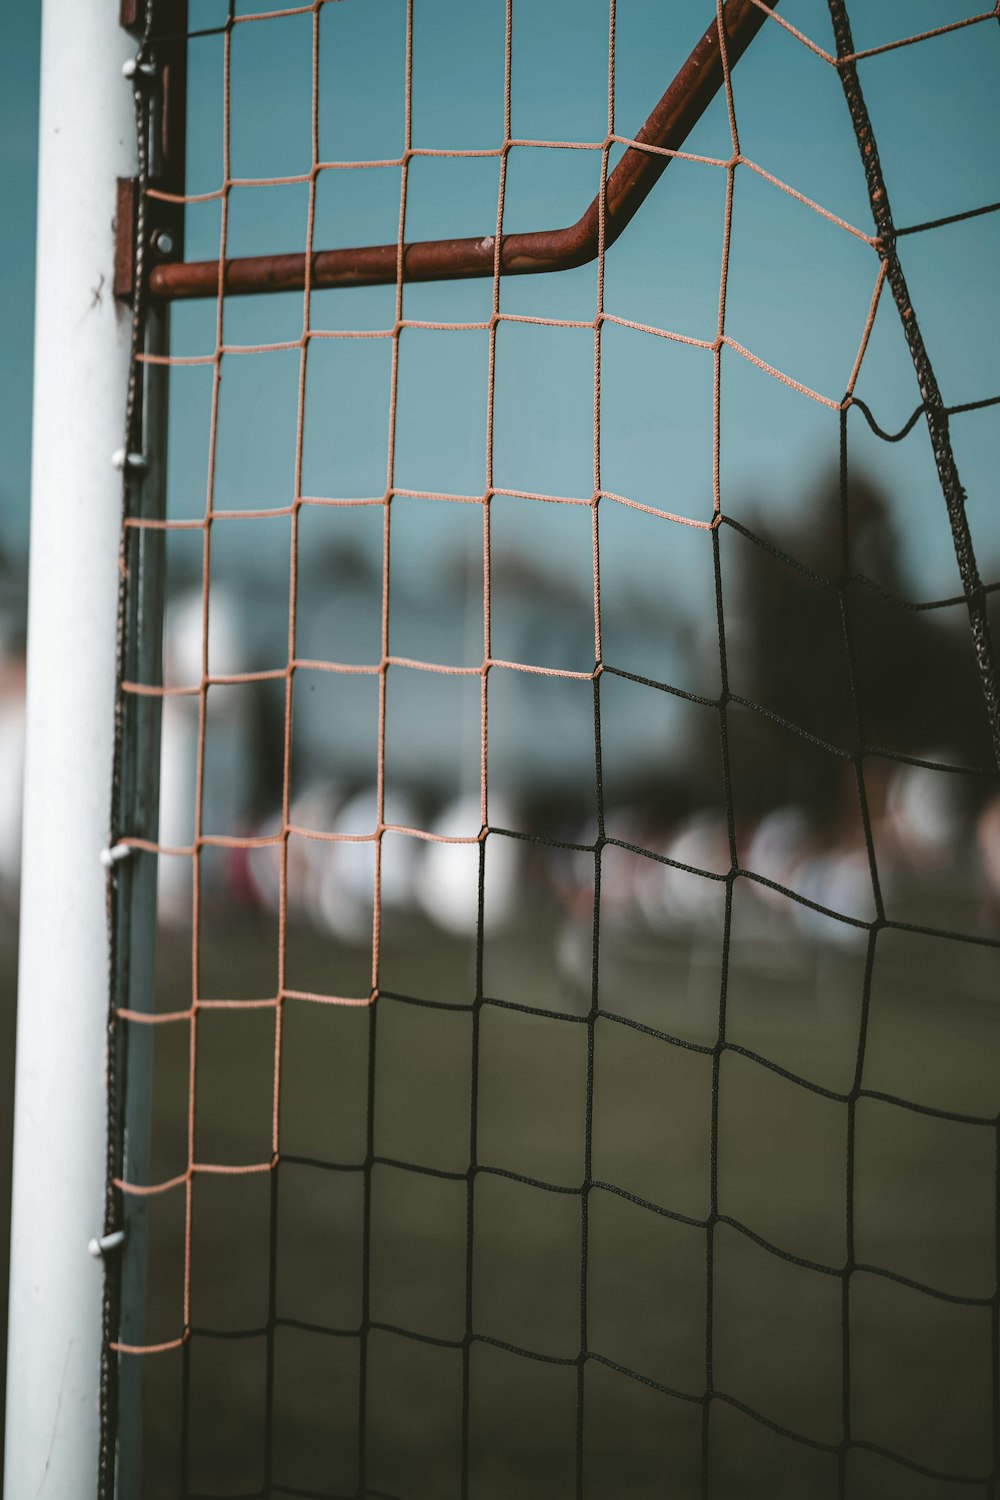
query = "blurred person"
{"x": 12, "y": 717}
{"x": 230, "y": 748}
{"x": 446, "y": 879}
{"x": 988, "y": 843}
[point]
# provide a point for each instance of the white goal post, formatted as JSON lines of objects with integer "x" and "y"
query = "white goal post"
{"x": 87, "y": 141}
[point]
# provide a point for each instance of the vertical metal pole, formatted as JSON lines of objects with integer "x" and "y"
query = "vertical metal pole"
{"x": 135, "y": 903}
{"x": 137, "y": 810}
{"x": 87, "y": 141}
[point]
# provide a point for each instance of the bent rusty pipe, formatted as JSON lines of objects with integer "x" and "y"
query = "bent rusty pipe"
{"x": 667, "y": 128}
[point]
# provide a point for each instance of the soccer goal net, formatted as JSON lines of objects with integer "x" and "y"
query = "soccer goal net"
{"x": 555, "y": 865}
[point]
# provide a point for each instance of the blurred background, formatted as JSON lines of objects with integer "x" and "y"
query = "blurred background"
{"x": 799, "y": 292}
{"x": 18, "y": 160}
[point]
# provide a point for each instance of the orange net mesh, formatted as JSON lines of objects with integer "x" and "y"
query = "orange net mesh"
{"x": 274, "y": 847}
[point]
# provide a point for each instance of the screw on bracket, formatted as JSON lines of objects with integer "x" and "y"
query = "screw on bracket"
{"x": 137, "y": 463}
{"x": 113, "y": 856}
{"x": 100, "y": 1247}
{"x": 134, "y": 68}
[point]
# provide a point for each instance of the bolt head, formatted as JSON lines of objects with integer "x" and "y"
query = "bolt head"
{"x": 163, "y": 242}
{"x": 133, "y": 69}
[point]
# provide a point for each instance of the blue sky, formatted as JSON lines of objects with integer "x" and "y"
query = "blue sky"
{"x": 18, "y": 162}
{"x": 799, "y": 286}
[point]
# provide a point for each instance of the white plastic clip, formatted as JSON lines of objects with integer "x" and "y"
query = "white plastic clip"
{"x": 131, "y": 66}
{"x": 137, "y": 462}
{"x": 115, "y": 855}
{"x": 99, "y": 1248}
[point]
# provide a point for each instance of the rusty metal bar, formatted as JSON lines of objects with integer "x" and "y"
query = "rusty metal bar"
{"x": 628, "y": 186}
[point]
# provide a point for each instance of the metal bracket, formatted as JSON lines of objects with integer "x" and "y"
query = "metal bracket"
{"x": 164, "y": 79}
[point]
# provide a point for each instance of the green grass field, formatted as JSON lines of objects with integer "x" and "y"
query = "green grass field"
{"x": 924, "y": 1206}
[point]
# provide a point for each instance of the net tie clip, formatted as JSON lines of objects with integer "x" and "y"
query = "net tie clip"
{"x": 100, "y": 1247}
{"x": 113, "y": 856}
{"x": 135, "y": 68}
{"x": 122, "y": 459}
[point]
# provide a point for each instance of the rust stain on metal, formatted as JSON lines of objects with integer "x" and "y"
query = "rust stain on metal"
{"x": 628, "y": 186}
{"x": 125, "y": 207}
